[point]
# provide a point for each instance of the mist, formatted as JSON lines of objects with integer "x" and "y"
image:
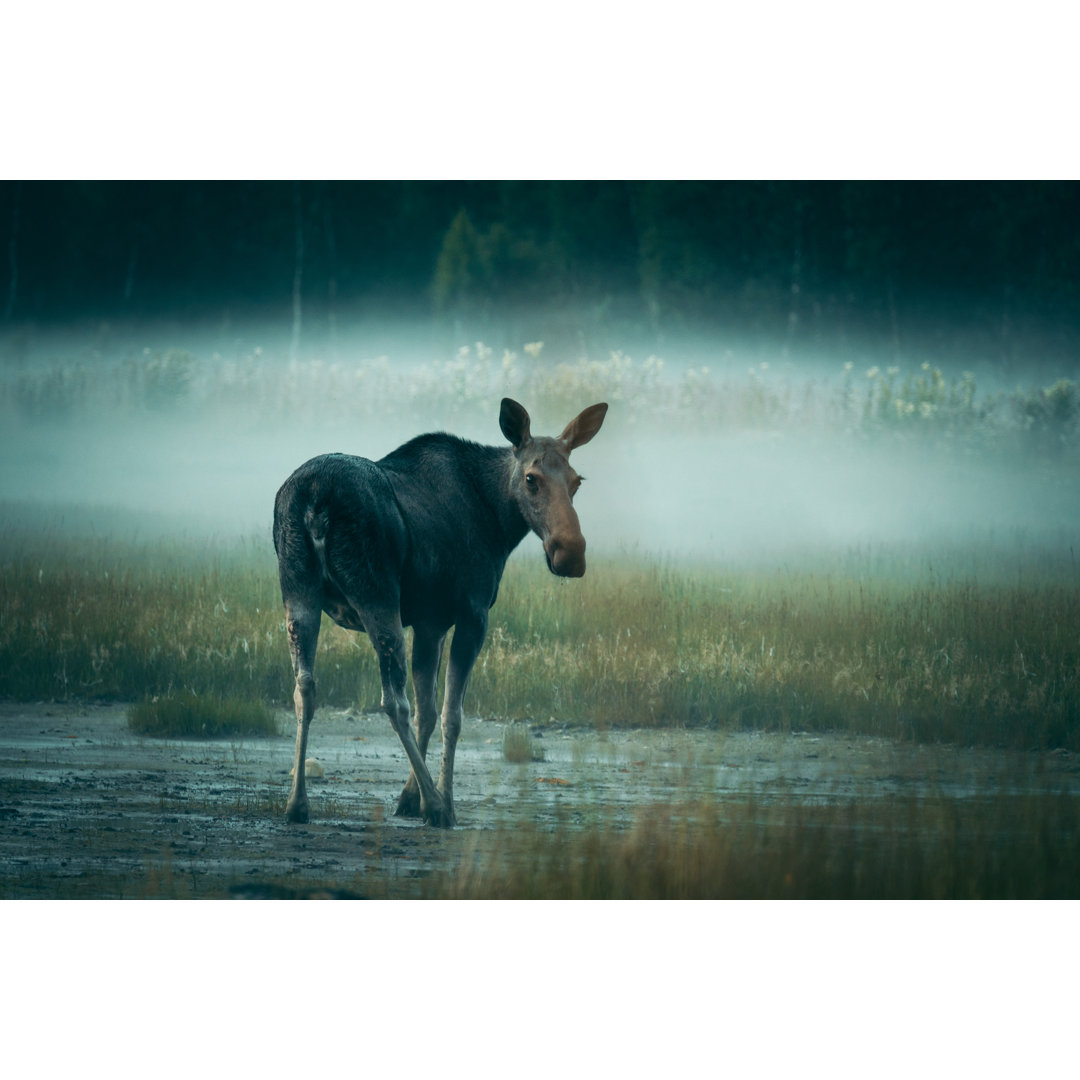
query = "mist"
{"x": 793, "y": 369}
{"x": 709, "y": 451}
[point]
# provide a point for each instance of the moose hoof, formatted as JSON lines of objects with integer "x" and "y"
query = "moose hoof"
{"x": 408, "y": 804}
{"x": 297, "y": 812}
{"x": 440, "y": 816}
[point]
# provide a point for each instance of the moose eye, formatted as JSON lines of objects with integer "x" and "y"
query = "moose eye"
{"x": 530, "y": 481}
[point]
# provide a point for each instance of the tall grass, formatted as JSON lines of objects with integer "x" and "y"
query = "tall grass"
{"x": 864, "y": 645}
{"x": 916, "y": 403}
{"x": 1002, "y": 847}
{"x": 633, "y": 644}
{"x": 103, "y": 619}
{"x": 990, "y": 847}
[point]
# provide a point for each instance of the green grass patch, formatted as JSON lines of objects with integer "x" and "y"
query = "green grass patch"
{"x": 976, "y": 647}
{"x": 116, "y": 621}
{"x": 190, "y": 715}
{"x": 894, "y": 654}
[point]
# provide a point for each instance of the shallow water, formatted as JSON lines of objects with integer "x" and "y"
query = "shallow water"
{"x": 87, "y": 809}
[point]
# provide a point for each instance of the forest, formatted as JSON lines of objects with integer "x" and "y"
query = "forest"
{"x": 809, "y": 262}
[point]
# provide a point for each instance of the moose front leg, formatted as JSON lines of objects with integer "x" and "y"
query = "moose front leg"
{"x": 389, "y": 642}
{"x": 468, "y": 637}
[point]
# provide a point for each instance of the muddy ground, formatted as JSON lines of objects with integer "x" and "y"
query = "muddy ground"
{"x": 87, "y": 809}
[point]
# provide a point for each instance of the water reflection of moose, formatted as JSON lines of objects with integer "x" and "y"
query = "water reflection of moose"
{"x": 420, "y": 538}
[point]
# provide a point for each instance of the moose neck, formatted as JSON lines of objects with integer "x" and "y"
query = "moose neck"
{"x": 500, "y": 496}
{"x": 456, "y": 486}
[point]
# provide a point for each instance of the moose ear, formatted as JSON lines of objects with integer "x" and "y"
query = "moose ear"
{"x": 514, "y": 421}
{"x": 584, "y": 426}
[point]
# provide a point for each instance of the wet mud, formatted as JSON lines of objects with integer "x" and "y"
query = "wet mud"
{"x": 90, "y": 810}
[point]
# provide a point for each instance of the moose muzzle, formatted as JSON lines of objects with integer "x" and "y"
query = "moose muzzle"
{"x": 564, "y": 547}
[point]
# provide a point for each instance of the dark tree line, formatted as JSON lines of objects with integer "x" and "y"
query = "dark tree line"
{"x": 798, "y": 255}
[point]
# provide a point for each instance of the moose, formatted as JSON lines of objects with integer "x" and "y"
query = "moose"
{"x": 420, "y": 538}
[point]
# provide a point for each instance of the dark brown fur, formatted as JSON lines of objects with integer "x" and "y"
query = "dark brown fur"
{"x": 419, "y": 538}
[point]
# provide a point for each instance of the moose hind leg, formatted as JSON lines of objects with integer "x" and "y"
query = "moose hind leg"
{"x": 426, "y": 657}
{"x": 303, "y": 629}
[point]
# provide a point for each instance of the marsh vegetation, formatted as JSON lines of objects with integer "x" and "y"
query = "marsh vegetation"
{"x": 924, "y": 593}
{"x": 189, "y": 714}
{"x": 90, "y": 809}
{"x": 867, "y": 643}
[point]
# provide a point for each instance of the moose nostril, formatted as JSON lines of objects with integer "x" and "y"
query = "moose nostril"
{"x": 565, "y": 559}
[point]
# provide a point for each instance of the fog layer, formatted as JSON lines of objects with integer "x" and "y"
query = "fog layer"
{"x": 734, "y": 460}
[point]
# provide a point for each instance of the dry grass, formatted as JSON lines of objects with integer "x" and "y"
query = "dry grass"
{"x": 637, "y": 644}
{"x": 863, "y": 646}
{"x": 518, "y": 745}
{"x": 996, "y": 847}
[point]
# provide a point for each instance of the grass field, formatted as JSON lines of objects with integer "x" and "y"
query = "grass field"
{"x": 892, "y": 645}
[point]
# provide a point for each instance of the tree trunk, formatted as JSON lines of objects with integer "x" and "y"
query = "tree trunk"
{"x": 13, "y": 263}
{"x": 894, "y": 320}
{"x": 645, "y": 236}
{"x": 298, "y": 275}
{"x": 795, "y": 290}
{"x": 129, "y": 278}
{"x": 331, "y": 288}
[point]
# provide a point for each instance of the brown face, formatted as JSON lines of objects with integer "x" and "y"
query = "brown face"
{"x": 548, "y": 487}
{"x": 544, "y": 483}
